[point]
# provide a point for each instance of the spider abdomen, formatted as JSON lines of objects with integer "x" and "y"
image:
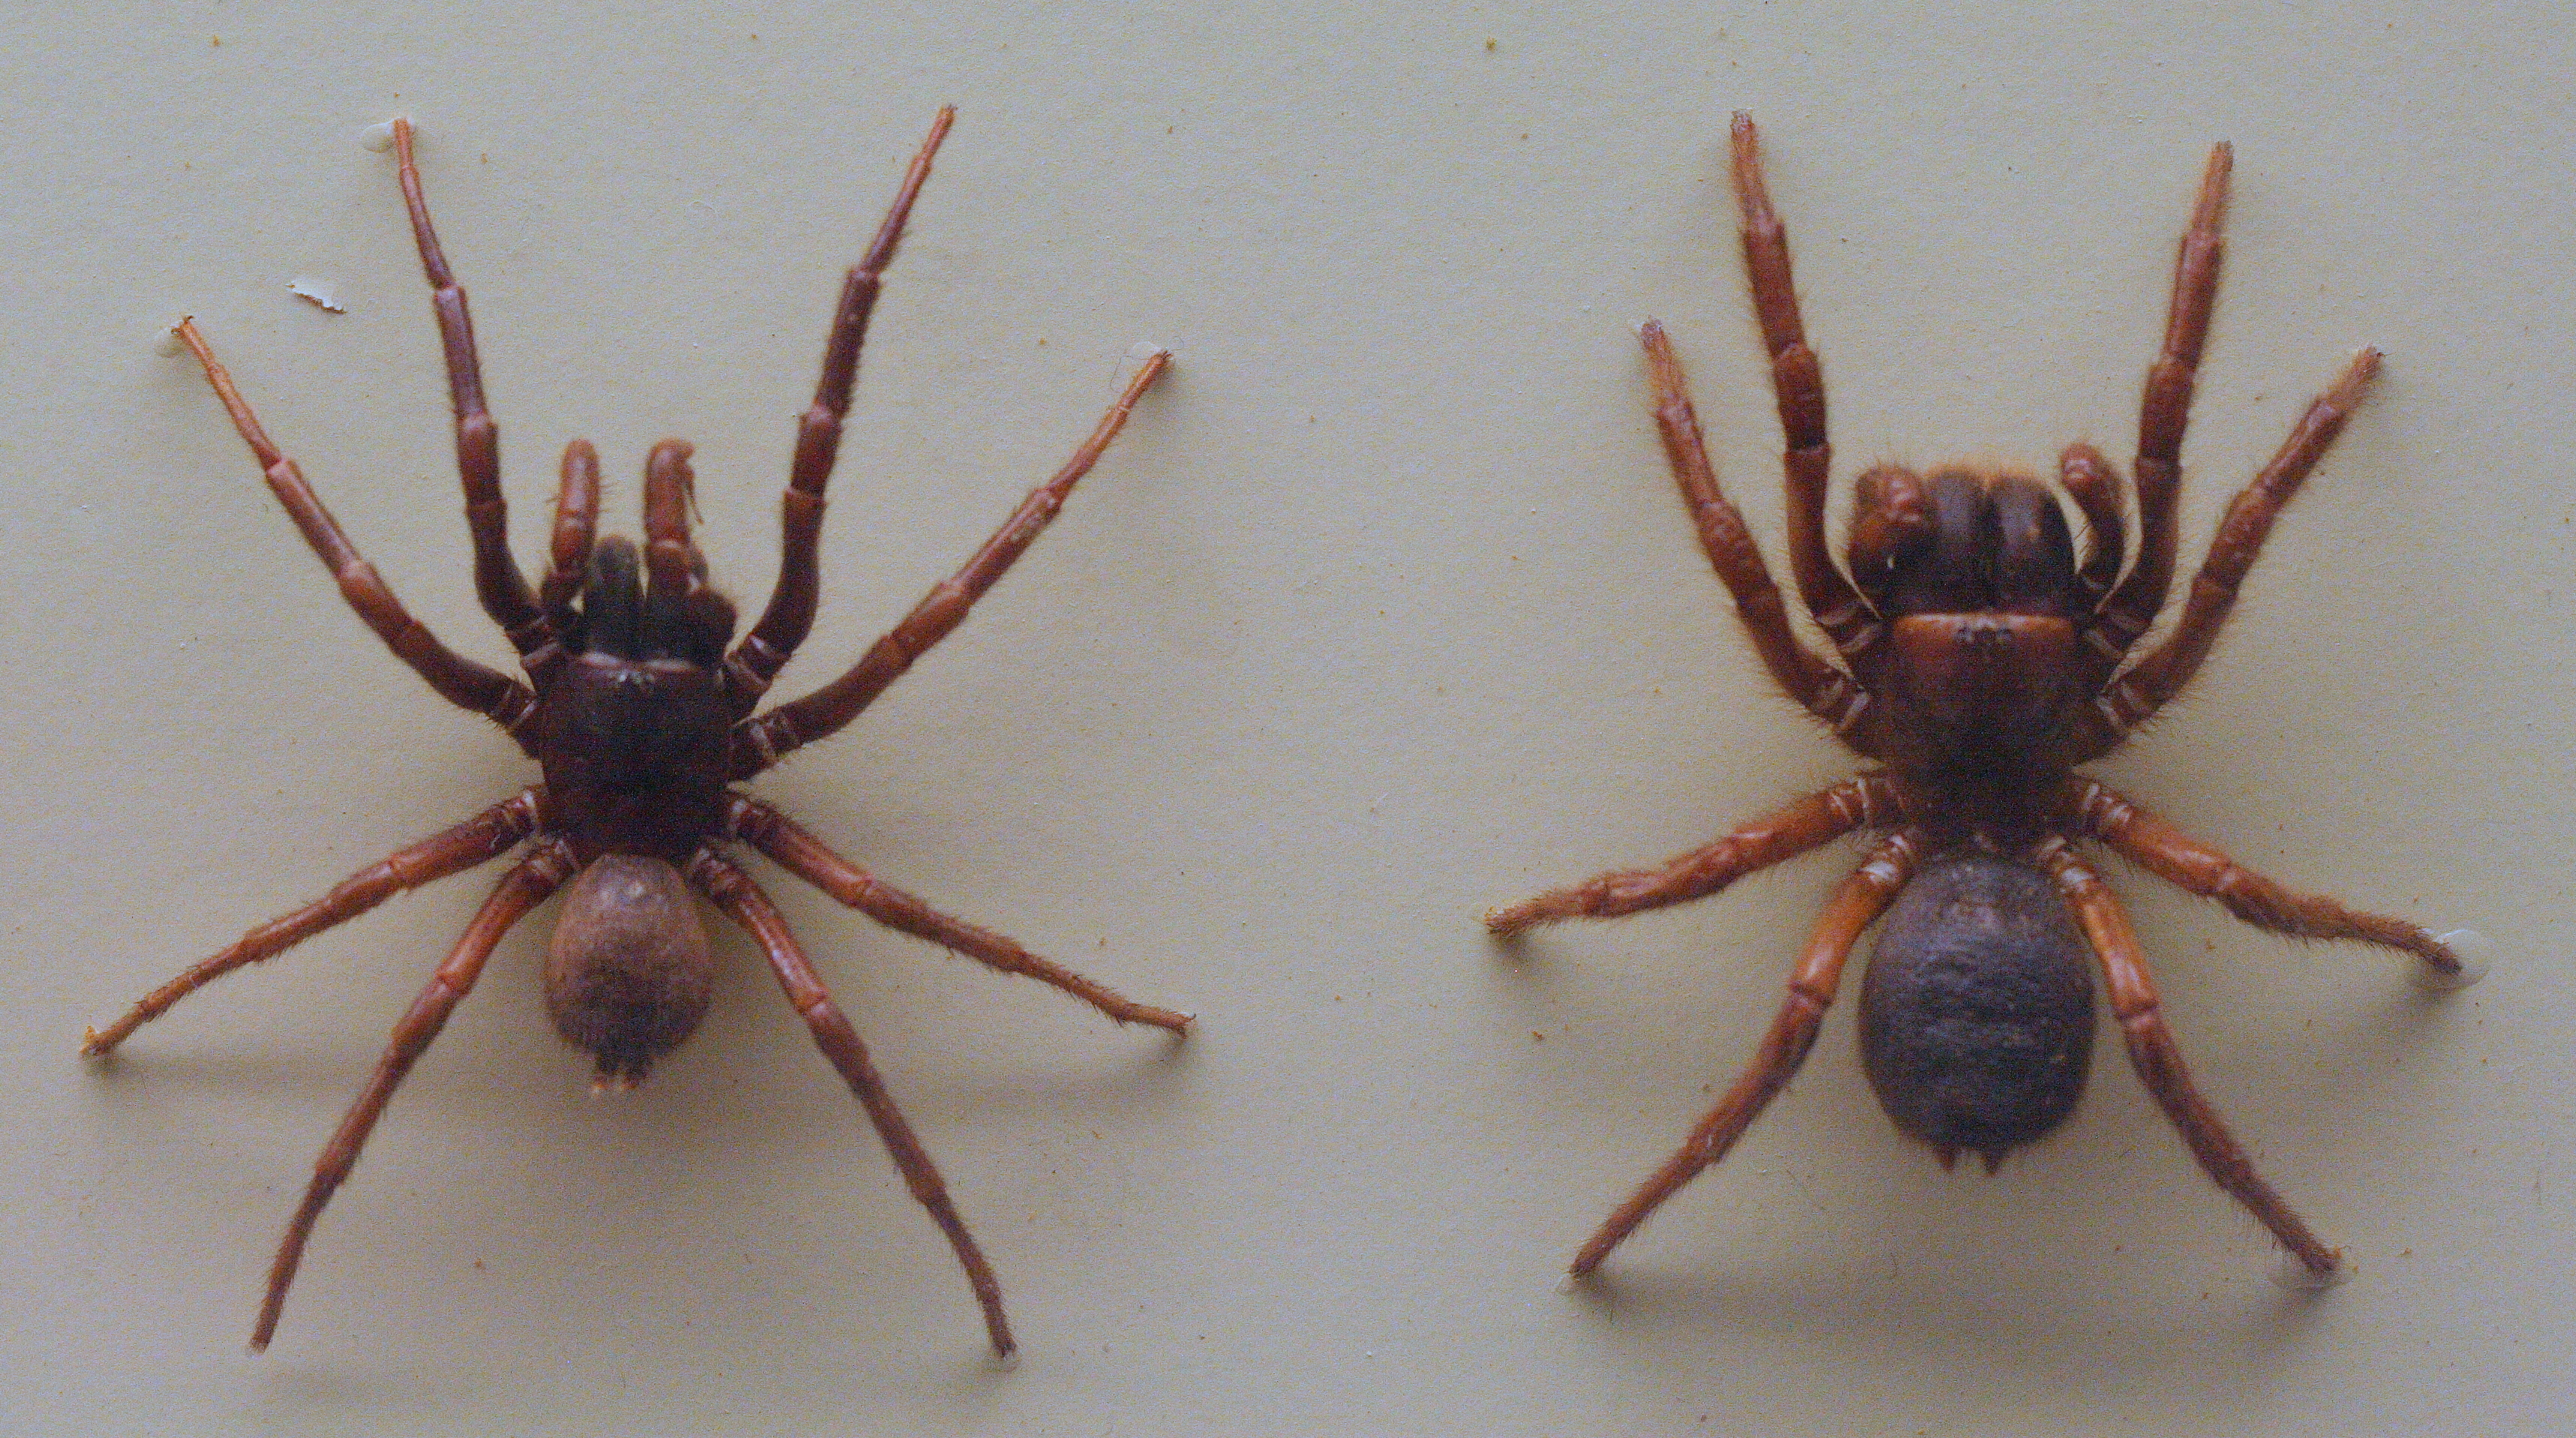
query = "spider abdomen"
{"x": 628, "y": 974}
{"x": 1976, "y": 1015}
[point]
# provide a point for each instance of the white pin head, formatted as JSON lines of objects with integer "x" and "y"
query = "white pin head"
{"x": 2297, "y": 1277}
{"x": 378, "y": 137}
{"x": 2476, "y": 953}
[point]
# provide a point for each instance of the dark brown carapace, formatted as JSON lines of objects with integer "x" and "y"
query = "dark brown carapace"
{"x": 1982, "y": 660}
{"x": 640, "y": 706}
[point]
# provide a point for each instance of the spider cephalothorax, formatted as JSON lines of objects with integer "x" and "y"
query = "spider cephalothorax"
{"x": 642, "y": 719}
{"x": 1982, "y": 660}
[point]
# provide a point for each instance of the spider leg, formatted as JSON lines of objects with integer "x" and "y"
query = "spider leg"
{"x": 521, "y": 890}
{"x": 801, "y": 854}
{"x": 2161, "y": 849}
{"x": 2164, "y": 412}
{"x": 760, "y": 743}
{"x": 1825, "y": 691}
{"x": 2159, "y": 1062}
{"x": 486, "y": 836}
{"x": 1854, "y": 907}
{"x": 1865, "y": 801}
{"x": 1799, "y": 385}
{"x": 459, "y": 680}
{"x": 741, "y": 900}
{"x": 576, "y": 530}
{"x": 2089, "y": 480}
{"x": 683, "y": 615}
{"x": 790, "y": 613}
{"x": 2155, "y": 680}
{"x": 1891, "y": 518}
{"x": 498, "y": 583}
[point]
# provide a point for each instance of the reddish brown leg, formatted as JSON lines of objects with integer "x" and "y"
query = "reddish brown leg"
{"x": 732, "y": 891}
{"x": 1891, "y": 517}
{"x": 522, "y": 889}
{"x": 1828, "y": 814}
{"x": 576, "y": 529}
{"x": 2153, "y": 681}
{"x": 2163, "y": 414}
{"x": 762, "y": 742}
{"x": 1855, "y": 906}
{"x": 497, "y": 581}
{"x": 486, "y": 836}
{"x": 1800, "y": 387}
{"x": 1827, "y": 692}
{"x": 805, "y": 856}
{"x": 783, "y": 625}
{"x": 460, "y": 681}
{"x": 2159, "y": 1062}
{"x": 2184, "y": 862}
{"x": 2089, "y": 480}
{"x": 676, "y": 594}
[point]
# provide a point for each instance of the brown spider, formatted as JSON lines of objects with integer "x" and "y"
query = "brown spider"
{"x": 1981, "y": 664}
{"x": 642, "y": 720}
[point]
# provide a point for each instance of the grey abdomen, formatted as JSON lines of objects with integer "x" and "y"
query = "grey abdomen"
{"x": 1976, "y": 1015}
{"x": 629, "y": 974}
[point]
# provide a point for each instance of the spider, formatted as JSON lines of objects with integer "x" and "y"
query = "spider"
{"x": 1981, "y": 664}
{"x": 642, "y": 720}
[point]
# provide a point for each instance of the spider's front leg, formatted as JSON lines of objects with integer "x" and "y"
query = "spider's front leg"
{"x": 782, "y": 626}
{"x": 2164, "y": 412}
{"x": 758, "y": 744}
{"x": 1824, "y": 691}
{"x": 2153, "y": 681}
{"x": 459, "y": 680}
{"x": 741, "y": 900}
{"x": 1855, "y": 906}
{"x": 1798, "y": 383}
{"x": 498, "y": 584}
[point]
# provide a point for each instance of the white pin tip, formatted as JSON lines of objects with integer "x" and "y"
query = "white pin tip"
{"x": 378, "y": 137}
{"x": 2476, "y": 953}
{"x": 321, "y": 294}
{"x": 167, "y": 344}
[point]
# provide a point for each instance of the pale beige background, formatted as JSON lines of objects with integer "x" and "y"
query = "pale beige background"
{"x": 1382, "y": 612}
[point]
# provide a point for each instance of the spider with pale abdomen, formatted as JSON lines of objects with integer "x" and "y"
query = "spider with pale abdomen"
{"x": 642, "y": 719}
{"x": 1981, "y": 662}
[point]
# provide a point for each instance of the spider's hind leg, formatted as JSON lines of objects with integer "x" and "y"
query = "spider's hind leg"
{"x": 521, "y": 890}
{"x": 2158, "y": 1060}
{"x": 742, "y": 901}
{"x": 2156, "y": 846}
{"x": 484, "y": 837}
{"x": 808, "y": 858}
{"x": 1854, "y": 907}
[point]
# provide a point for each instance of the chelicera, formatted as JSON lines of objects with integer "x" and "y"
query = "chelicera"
{"x": 639, "y": 706}
{"x": 1981, "y": 661}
